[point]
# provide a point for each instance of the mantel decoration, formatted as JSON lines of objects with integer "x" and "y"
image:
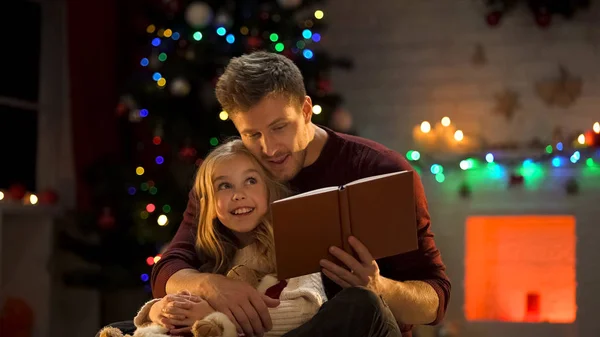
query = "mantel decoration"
{"x": 443, "y": 136}
{"x": 561, "y": 91}
{"x": 442, "y": 149}
{"x": 507, "y": 103}
{"x": 541, "y": 10}
{"x": 17, "y": 194}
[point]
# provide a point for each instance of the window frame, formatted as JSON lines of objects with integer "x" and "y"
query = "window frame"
{"x": 54, "y": 158}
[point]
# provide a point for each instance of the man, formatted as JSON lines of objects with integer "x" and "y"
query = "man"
{"x": 265, "y": 97}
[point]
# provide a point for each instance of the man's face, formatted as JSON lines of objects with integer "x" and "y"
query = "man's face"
{"x": 277, "y": 133}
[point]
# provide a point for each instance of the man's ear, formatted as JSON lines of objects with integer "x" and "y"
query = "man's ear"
{"x": 307, "y": 109}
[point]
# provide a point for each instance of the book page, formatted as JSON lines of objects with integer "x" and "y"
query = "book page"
{"x": 374, "y": 177}
{"x": 305, "y": 194}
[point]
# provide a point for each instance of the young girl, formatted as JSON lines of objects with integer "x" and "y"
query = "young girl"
{"x": 234, "y": 230}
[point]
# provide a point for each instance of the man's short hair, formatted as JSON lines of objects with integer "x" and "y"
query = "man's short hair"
{"x": 251, "y": 77}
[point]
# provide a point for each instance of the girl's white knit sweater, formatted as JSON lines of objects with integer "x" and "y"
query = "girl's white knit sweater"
{"x": 299, "y": 300}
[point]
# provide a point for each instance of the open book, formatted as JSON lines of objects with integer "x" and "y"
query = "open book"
{"x": 379, "y": 211}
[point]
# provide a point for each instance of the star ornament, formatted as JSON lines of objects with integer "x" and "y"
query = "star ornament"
{"x": 562, "y": 91}
{"x": 507, "y": 103}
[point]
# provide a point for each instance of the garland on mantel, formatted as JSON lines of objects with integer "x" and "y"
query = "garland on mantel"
{"x": 541, "y": 10}
{"x": 447, "y": 150}
{"x": 17, "y": 194}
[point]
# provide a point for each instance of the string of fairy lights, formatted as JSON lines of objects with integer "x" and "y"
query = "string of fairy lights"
{"x": 301, "y": 46}
{"x": 28, "y": 199}
{"x": 583, "y": 151}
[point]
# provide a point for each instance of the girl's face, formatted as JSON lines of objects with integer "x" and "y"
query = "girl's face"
{"x": 240, "y": 194}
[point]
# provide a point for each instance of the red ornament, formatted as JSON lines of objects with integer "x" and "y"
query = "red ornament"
{"x": 516, "y": 180}
{"x": 543, "y": 18}
{"x": 16, "y": 318}
{"x": 48, "y": 197}
{"x": 106, "y": 219}
{"x": 324, "y": 85}
{"x": 17, "y": 191}
{"x": 493, "y": 18}
{"x": 254, "y": 42}
{"x": 188, "y": 153}
{"x": 592, "y": 139}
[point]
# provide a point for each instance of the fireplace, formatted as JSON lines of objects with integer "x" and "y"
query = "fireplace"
{"x": 520, "y": 268}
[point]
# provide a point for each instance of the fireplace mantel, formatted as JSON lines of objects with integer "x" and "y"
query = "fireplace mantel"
{"x": 19, "y": 208}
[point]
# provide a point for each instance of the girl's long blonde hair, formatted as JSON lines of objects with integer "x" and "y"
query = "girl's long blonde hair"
{"x": 217, "y": 242}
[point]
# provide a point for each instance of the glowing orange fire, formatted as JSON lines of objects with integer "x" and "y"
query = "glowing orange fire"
{"x": 520, "y": 268}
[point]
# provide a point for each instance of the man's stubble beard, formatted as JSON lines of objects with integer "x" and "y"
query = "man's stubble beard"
{"x": 297, "y": 159}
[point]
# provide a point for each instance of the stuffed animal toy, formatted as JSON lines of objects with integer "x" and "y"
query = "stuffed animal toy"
{"x": 218, "y": 324}
{"x": 147, "y": 331}
{"x": 215, "y": 324}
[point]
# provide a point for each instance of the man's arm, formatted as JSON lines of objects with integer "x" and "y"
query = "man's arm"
{"x": 415, "y": 284}
{"x": 180, "y": 257}
{"x": 413, "y": 302}
{"x": 191, "y": 280}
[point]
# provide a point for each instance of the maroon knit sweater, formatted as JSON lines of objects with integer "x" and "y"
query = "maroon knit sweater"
{"x": 344, "y": 158}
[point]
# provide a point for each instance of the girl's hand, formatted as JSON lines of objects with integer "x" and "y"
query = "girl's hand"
{"x": 187, "y": 314}
{"x": 156, "y": 311}
{"x": 162, "y": 312}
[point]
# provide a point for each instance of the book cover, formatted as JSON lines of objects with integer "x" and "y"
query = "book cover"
{"x": 380, "y": 211}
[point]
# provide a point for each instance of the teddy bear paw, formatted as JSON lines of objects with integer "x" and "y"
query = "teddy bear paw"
{"x": 110, "y": 332}
{"x": 206, "y": 328}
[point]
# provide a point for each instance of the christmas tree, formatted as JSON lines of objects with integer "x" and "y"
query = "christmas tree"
{"x": 169, "y": 117}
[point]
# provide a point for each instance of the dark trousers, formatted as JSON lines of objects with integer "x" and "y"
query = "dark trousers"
{"x": 126, "y": 327}
{"x": 353, "y": 312}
